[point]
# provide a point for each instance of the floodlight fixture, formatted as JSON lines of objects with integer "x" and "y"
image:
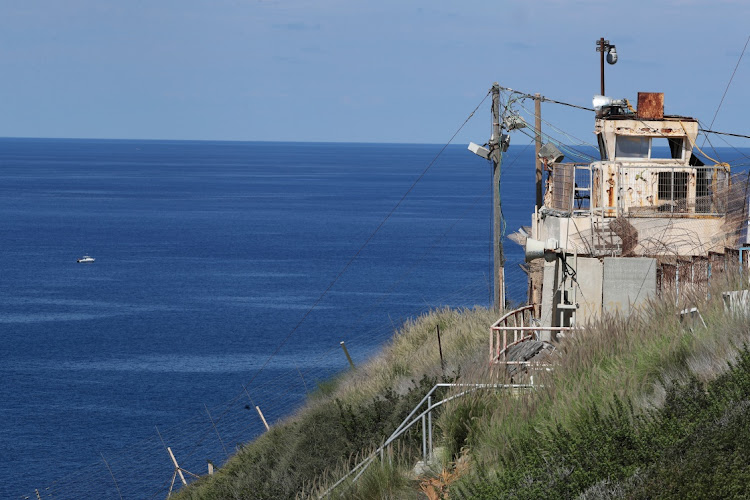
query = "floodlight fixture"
{"x": 550, "y": 154}
{"x": 479, "y": 150}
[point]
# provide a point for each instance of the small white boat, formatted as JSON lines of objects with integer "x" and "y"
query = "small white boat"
{"x": 85, "y": 260}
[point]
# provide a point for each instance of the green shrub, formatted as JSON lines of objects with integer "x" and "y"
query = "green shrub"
{"x": 695, "y": 446}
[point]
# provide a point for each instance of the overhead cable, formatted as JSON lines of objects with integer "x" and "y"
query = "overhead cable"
{"x": 545, "y": 99}
{"x": 361, "y": 248}
{"x": 729, "y": 83}
{"x": 723, "y": 133}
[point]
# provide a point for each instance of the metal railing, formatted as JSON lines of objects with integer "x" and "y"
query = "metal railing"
{"x": 519, "y": 326}
{"x": 425, "y": 417}
{"x": 663, "y": 191}
{"x": 516, "y": 323}
{"x": 633, "y": 190}
{"x": 571, "y": 187}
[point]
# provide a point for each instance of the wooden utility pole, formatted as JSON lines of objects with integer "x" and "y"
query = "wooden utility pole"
{"x": 496, "y": 154}
{"x": 537, "y": 148}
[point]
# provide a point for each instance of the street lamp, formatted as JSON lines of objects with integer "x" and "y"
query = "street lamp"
{"x": 603, "y": 46}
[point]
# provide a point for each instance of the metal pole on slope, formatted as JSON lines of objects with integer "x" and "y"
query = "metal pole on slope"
{"x": 348, "y": 358}
{"x": 496, "y": 157}
{"x": 440, "y": 346}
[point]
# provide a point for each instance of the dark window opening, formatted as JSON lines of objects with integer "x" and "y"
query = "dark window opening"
{"x": 673, "y": 189}
{"x": 675, "y": 147}
{"x": 631, "y": 146}
{"x": 667, "y": 148}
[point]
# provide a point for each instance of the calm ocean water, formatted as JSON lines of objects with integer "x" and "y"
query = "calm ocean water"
{"x": 208, "y": 255}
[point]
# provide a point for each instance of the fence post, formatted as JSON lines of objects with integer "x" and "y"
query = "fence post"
{"x": 429, "y": 425}
{"x": 349, "y": 358}
{"x": 177, "y": 468}
{"x": 440, "y": 349}
{"x": 505, "y": 343}
{"x": 257, "y": 408}
{"x": 424, "y": 439}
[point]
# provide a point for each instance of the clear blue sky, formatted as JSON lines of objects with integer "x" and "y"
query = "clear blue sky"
{"x": 347, "y": 70}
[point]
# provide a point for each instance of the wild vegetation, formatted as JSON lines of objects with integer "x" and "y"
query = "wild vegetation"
{"x": 638, "y": 407}
{"x": 629, "y": 400}
{"x": 351, "y": 414}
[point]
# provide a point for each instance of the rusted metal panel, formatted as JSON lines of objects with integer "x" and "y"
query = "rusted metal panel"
{"x": 651, "y": 105}
{"x": 610, "y": 187}
{"x": 668, "y": 278}
{"x": 563, "y": 183}
{"x": 700, "y": 275}
{"x": 684, "y": 276}
{"x": 596, "y": 188}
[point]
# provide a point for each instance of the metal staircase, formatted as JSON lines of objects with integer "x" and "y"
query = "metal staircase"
{"x": 604, "y": 241}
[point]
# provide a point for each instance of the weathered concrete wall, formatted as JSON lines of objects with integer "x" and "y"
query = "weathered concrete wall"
{"x": 668, "y": 236}
{"x": 572, "y": 233}
{"x": 627, "y": 283}
{"x": 683, "y": 237}
{"x": 608, "y": 285}
{"x": 589, "y": 273}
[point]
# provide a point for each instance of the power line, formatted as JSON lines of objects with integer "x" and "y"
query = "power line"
{"x": 344, "y": 269}
{"x": 545, "y": 99}
{"x": 729, "y": 83}
{"x": 724, "y": 133}
{"x": 367, "y": 241}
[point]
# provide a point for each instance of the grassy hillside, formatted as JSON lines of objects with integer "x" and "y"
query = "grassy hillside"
{"x": 353, "y": 413}
{"x": 639, "y": 407}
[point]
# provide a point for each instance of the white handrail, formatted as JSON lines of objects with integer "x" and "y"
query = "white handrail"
{"x": 408, "y": 422}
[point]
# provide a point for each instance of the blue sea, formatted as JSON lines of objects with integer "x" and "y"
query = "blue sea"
{"x": 226, "y": 276}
